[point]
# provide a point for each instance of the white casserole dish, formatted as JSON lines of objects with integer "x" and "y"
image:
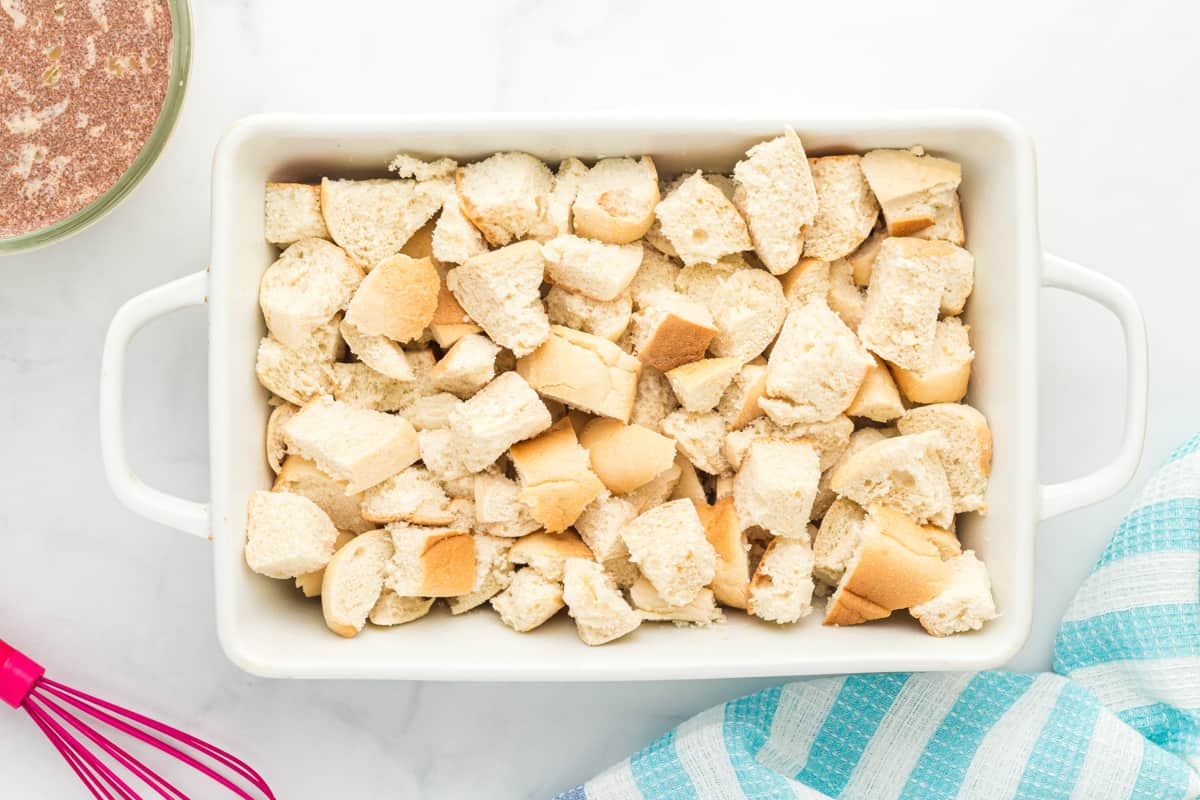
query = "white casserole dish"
{"x": 268, "y": 629}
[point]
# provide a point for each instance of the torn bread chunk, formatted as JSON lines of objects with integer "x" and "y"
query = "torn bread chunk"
{"x": 501, "y": 291}
{"x": 358, "y": 385}
{"x": 903, "y": 300}
{"x": 817, "y": 363}
{"x": 441, "y": 456}
{"x": 276, "y": 444}
{"x": 616, "y": 200}
{"x": 504, "y": 195}
{"x": 914, "y": 191}
{"x": 830, "y": 439}
{"x": 504, "y": 412}
{"x": 406, "y": 165}
{"x": 454, "y": 238}
{"x": 776, "y": 485}
{"x": 601, "y": 523}
{"x": 965, "y": 603}
{"x": 391, "y": 609}
{"x": 380, "y": 353}
{"x": 953, "y": 263}
{"x": 905, "y": 473}
{"x": 895, "y": 566}
{"x": 353, "y": 582}
{"x": 357, "y": 445}
{"x": 845, "y": 298}
{"x": 700, "y": 222}
{"x": 625, "y": 457}
{"x": 412, "y": 495}
{"x": 450, "y": 322}
{"x": 430, "y": 562}
{"x": 748, "y": 313}
{"x": 739, "y": 404}
{"x": 700, "y": 384}
{"x": 700, "y": 437}
{"x": 837, "y": 539}
{"x": 668, "y": 545}
{"x": 878, "y": 399}
{"x": 431, "y": 411}
{"x": 292, "y": 211}
{"x": 654, "y": 400}
{"x": 529, "y": 601}
{"x": 300, "y": 476}
{"x": 862, "y": 260}
{"x": 556, "y": 217}
{"x": 499, "y": 510}
{"x": 776, "y": 195}
{"x": 556, "y": 478}
{"x": 858, "y": 440}
{"x": 467, "y": 366}
{"x": 690, "y": 487}
{"x": 967, "y": 453}
{"x": 310, "y": 282}
{"x": 583, "y": 371}
{"x": 808, "y": 280}
{"x": 781, "y": 590}
{"x": 725, "y": 532}
{"x": 704, "y": 282}
{"x": 493, "y": 573}
{"x": 946, "y": 378}
{"x": 656, "y": 274}
{"x": 672, "y": 331}
{"x": 287, "y": 535}
{"x": 591, "y": 268}
{"x": 607, "y": 319}
{"x": 396, "y": 299}
{"x": 657, "y": 491}
{"x": 548, "y": 552}
{"x": 701, "y": 611}
{"x": 372, "y": 219}
{"x": 594, "y": 602}
{"x": 846, "y": 208}
{"x": 309, "y": 583}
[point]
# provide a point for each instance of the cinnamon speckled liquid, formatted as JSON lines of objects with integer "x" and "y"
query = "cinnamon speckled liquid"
{"x": 81, "y": 86}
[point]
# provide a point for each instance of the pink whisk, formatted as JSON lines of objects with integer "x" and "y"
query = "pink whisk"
{"x": 56, "y": 709}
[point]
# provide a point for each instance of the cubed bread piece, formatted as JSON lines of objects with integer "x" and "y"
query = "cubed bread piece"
{"x": 504, "y": 412}
{"x": 700, "y": 384}
{"x": 656, "y": 274}
{"x": 776, "y": 485}
{"x": 782, "y": 587}
{"x": 858, "y": 440}
{"x": 955, "y": 265}
{"x": 454, "y": 238}
{"x": 493, "y": 573}
{"x": 441, "y": 456}
{"x": 894, "y": 567}
{"x": 309, "y": 583}
{"x": 310, "y": 282}
{"x": 965, "y": 603}
{"x": 501, "y": 291}
{"x": 701, "y": 611}
{"x": 657, "y": 491}
{"x": 878, "y": 398}
{"x": 845, "y": 298}
{"x": 914, "y": 191}
{"x": 450, "y": 322}
{"x": 379, "y": 353}
{"x": 700, "y": 437}
{"x": 837, "y": 539}
{"x": 601, "y": 523}
{"x": 625, "y": 457}
{"x": 948, "y": 226}
{"x": 287, "y": 535}
{"x": 654, "y": 400}
{"x": 556, "y": 217}
{"x": 504, "y": 195}
{"x": 669, "y": 546}
{"x": 748, "y": 313}
{"x": 673, "y": 330}
{"x": 392, "y": 609}
{"x": 357, "y": 445}
{"x": 372, "y": 219}
{"x": 430, "y": 562}
{"x": 830, "y": 439}
{"x": 967, "y": 453}
{"x": 725, "y": 532}
{"x": 597, "y": 606}
{"x": 862, "y": 260}
{"x": 396, "y": 299}
{"x": 300, "y": 476}
{"x": 817, "y": 363}
{"x": 607, "y": 319}
{"x": 846, "y": 208}
{"x": 700, "y": 222}
{"x": 945, "y": 379}
{"x": 776, "y": 195}
{"x": 904, "y": 472}
{"x": 616, "y": 200}
{"x": 499, "y": 510}
{"x": 704, "y": 282}
{"x": 353, "y": 582}
{"x": 412, "y": 495}
{"x": 591, "y": 268}
{"x": 292, "y": 211}
{"x": 739, "y": 404}
{"x": 358, "y": 385}
{"x": 276, "y": 444}
{"x": 583, "y": 371}
{"x": 548, "y": 552}
{"x": 658, "y": 240}
{"x": 431, "y": 411}
{"x": 467, "y": 366}
{"x": 808, "y": 280}
{"x": 529, "y": 601}
{"x": 556, "y": 478}
{"x": 690, "y": 487}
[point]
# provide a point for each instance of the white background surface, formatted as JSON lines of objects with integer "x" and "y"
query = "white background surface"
{"x": 122, "y": 606}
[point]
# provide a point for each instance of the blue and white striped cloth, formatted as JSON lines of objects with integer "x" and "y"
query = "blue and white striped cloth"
{"x": 1118, "y": 718}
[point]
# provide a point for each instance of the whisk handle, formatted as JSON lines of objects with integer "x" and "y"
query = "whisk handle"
{"x": 18, "y": 674}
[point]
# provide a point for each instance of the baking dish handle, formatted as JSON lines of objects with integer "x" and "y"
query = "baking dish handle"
{"x": 167, "y": 509}
{"x": 1057, "y": 498}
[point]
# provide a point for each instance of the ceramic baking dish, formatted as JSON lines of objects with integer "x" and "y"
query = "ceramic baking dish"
{"x": 267, "y": 629}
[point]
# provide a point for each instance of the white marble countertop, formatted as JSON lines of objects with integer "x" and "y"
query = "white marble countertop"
{"x": 123, "y": 606}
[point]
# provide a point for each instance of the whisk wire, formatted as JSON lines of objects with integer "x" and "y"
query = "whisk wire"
{"x": 90, "y": 759}
{"x": 79, "y": 766}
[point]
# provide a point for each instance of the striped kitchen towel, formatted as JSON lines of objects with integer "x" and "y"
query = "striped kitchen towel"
{"x": 1118, "y": 718}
